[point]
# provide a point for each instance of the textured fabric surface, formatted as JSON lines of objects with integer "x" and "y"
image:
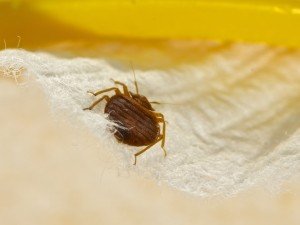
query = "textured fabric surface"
{"x": 233, "y": 118}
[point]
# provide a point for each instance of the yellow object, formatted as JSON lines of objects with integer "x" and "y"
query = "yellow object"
{"x": 269, "y": 21}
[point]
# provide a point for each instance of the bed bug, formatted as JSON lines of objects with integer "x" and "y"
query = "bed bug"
{"x": 137, "y": 123}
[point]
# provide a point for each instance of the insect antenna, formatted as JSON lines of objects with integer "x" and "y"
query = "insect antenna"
{"x": 155, "y": 102}
{"x": 135, "y": 83}
{"x": 164, "y": 103}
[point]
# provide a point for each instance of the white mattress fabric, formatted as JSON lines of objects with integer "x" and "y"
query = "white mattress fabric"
{"x": 233, "y": 118}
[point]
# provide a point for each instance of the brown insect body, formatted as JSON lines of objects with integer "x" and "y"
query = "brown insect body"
{"x": 137, "y": 122}
{"x": 138, "y": 125}
{"x": 142, "y": 100}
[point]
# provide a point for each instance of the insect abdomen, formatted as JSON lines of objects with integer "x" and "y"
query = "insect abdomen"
{"x": 137, "y": 126}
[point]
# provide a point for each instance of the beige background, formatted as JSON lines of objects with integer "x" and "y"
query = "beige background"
{"x": 53, "y": 174}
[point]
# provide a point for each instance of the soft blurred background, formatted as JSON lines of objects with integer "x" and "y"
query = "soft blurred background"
{"x": 52, "y": 173}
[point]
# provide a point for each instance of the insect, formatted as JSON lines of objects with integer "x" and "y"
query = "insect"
{"x": 139, "y": 124}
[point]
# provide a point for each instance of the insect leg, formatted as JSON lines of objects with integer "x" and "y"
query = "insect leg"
{"x": 161, "y": 119}
{"x": 145, "y": 149}
{"x": 97, "y": 102}
{"x": 105, "y": 90}
{"x": 125, "y": 88}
